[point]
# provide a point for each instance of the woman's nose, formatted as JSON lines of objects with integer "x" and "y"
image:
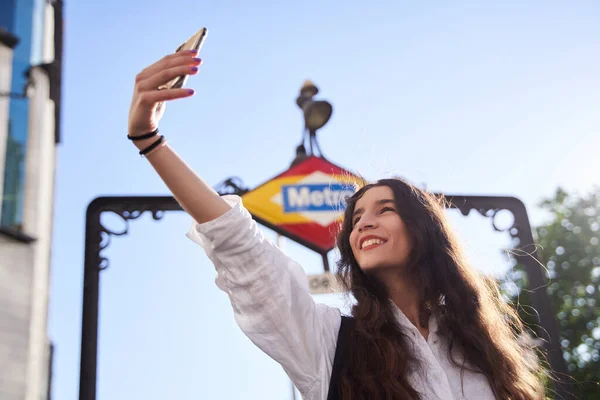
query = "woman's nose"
{"x": 366, "y": 221}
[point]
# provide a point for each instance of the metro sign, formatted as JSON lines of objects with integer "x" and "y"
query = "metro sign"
{"x": 304, "y": 203}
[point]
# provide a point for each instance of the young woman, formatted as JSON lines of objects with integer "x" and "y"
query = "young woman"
{"x": 425, "y": 325}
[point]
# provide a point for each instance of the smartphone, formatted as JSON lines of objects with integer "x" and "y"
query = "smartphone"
{"x": 193, "y": 43}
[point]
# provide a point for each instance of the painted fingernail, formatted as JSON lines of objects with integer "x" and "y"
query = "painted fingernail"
{"x": 198, "y": 60}
{"x": 194, "y": 69}
{"x": 193, "y": 51}
{"x": 191, "y": 91}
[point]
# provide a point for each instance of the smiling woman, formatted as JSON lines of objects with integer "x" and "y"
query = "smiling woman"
{"x": 425, "y": 325}
{"x": 421, "y": 308}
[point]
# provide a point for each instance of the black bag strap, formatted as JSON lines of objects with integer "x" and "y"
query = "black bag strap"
{"x": 342, "y": 355}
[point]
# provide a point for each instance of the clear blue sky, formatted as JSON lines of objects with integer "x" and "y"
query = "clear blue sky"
{"x": 494, "y": 99}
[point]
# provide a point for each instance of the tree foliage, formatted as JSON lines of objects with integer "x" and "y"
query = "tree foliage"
{"x": 569, "y": 247}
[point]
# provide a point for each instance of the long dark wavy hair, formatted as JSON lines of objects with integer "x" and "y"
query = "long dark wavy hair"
{"x": 471, "y": 313}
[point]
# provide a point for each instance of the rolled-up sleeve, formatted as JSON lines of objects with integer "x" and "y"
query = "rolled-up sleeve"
{"x": 270, "y": 298}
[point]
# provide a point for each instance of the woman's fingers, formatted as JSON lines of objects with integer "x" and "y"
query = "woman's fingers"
{"x": 163, "y": 76}
{"x": 172, "y": 60}
{"x": 150, "y": 98}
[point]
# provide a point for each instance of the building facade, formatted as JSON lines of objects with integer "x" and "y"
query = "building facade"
{"x": 30, "y": 93}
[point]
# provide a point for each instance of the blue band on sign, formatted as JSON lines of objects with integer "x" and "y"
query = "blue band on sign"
{"x": 315, "y": 197}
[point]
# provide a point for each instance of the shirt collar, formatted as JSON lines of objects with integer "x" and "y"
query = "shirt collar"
{"x": 405, "y": 322}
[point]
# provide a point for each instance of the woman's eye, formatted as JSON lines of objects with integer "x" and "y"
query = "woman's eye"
{"x": 355, "y": 221}
{"x": 384, "y": 209}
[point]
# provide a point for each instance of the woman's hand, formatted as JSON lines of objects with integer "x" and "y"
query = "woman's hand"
{"x": 148, "y": 103}
{"x": 196, "y": 196}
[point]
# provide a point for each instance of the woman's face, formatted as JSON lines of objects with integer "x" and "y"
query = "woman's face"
{"x": 379, "y": 237}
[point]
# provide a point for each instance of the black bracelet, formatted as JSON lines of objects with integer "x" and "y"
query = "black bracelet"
{"x": 144, "y": 136}
{"x": 152, "y": 146}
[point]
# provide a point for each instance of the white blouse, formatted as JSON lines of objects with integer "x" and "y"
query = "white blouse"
{"x": 273, "y": 306}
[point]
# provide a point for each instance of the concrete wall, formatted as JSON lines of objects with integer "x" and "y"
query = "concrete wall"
{"x": 16, "y": 262}
{"x": 6, "y": 57}
{"x": 37, "y": 220}
{"x": 25, "y": 267}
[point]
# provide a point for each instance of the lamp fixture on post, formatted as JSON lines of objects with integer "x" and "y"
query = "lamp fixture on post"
{"x": 316, "y": 114}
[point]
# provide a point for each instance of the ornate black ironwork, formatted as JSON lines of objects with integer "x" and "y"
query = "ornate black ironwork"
{"x": 97, "y": 239}
{"x": 529, "y": 257}
{"x": 131, "y": 208}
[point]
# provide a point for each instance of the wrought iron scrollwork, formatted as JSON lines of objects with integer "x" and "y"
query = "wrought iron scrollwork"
{"x": 127, "y": 209}
{"x": 97, "y": 239}
{"x": 127, "y": 216}
{"x": 98, "y": 236}
{"x": 233, "y": 185}
{"x": 491, "y": 207}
